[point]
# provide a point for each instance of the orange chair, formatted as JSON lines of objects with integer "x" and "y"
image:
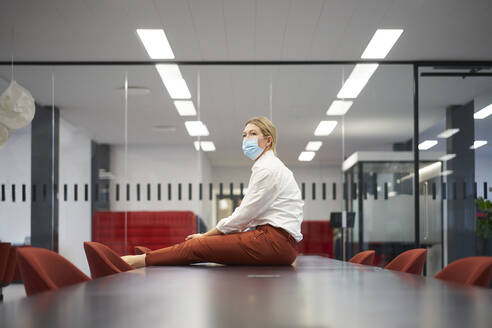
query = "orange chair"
{"x": 9, "y": 272}
{"x": 475, "y": 270}
{"x": 4, "y": 257}
{"x": 103, "y": 261}
{"x": 411, "y": 261}
{"x": 366, "y": 258}
{"x": 42, "y": 270}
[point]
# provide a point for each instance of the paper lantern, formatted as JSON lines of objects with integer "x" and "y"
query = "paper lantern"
{"x": 16, "y": 107}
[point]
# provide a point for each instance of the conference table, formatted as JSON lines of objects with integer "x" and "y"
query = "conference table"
{"x": 314, "y": 292}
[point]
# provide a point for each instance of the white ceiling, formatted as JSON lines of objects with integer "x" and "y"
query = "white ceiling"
{"x": 246, "y": 30}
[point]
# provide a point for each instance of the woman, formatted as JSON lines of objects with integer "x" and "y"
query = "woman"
{"x": 271, "y": 211}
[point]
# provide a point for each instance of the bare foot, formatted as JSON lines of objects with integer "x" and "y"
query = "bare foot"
{"x": 136, "y": 261}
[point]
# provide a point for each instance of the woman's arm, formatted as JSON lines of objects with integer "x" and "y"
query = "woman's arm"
{"x": 211, "y": 232}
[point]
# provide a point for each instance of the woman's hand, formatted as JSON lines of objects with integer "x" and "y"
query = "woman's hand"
{"x": 212, "y": 232}
{"x": 195, "y": 235}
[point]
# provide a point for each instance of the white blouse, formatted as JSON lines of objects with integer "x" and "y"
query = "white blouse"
{"x": 273, "y": 197}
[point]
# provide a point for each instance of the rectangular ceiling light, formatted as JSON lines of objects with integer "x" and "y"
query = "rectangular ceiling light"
{"x": 447, "y": 157}
{"x": 204, "y": 145}
{"x": 196, "y": 128}
{"x": 306, "y": 156}
{"x": 447, "y": 172}
{"x": 178, "y": 89}
{"x": 169, "y": 72}
{"x": 208, "y": 146}
{"x": 427, "y": 144}
{"x": 478, "y": 144}
{"x": 173, "y": 81}
{"x": 314, "y": 145}
{"x": 339, "y": 107}
{"x": 156, "y": 43}
{"x": 325, "y": 128}
{"x": 357, "y": 80}
{"x": 381, "y": 43}
{"x": 483, "y": 113}
{"x": 185, "y": 107}
{"x": 448, "y": 133}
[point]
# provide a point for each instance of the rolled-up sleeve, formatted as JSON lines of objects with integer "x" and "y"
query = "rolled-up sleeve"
{"x": 261, "y": 194}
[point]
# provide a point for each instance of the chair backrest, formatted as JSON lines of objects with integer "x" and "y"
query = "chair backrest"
{"x": 317, "y": 238}
{"x": 411, "y": 261}
{"x": 365, "y": 257}
{"x": 4, "y": 256}
{"x": 475, "y": 270}
{"x": 103, "y": 261}
{"x": 44, "y": 270}
{"x": 8, "y": 273}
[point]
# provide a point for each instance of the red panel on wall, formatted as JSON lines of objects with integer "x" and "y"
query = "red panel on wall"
{"x": 150, "y": 229}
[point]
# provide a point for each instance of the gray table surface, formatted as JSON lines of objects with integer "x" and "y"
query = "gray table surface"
{"x": 314, "y": 292}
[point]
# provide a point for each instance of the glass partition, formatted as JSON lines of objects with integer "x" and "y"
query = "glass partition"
{"x": 379, "y": 164}
{"x": 455, "y": 128}
{"x": 110, "y": 145}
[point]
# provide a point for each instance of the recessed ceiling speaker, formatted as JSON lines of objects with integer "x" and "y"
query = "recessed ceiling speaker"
{"x": 135, "y": 91}
{"x": 165, "y": 128}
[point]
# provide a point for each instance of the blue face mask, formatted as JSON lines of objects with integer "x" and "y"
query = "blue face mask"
{"x": 251, "y": 148}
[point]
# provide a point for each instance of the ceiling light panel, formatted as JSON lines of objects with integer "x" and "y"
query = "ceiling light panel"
{"x": 196, "y": 128}
{"x": 427, "y": 144}
{"x": 478, "y": 144}
{"x": 448, "y": 133}
{"x": 204, "y": 145}
{"x": 325, "y": 128}
{"x": 155, "y": 43}
{"x": 447, "y": 157}
{"x": 208, "y": 146}
{"x": 357, "y": 80}
{"x": 173, "y": 81}
{"x": 314, "y": 145}
{"x": 169, "y": 72}
{"x": 185, "y": 107}
{"x": 483, "y": 113}
{"x": 339, "y": 107}
{"x": 381, "y": 43}
{"x": 306, "y": 156}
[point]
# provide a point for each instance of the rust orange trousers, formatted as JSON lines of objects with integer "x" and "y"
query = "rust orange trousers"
{"x": 266, "y": 245}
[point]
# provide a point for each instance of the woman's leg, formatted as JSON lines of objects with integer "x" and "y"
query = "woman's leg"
{"x": 264, "y": 246}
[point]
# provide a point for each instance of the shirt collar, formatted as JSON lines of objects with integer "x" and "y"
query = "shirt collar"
{"x": 269, "y": 153}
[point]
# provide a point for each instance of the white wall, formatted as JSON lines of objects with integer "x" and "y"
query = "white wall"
{"x": 320, "y": 209}
{"x": 74, "y": 216}
{"x": 160, "y": 164}
{"x": 317, "y": 209}
{"x": 15, "y": 168}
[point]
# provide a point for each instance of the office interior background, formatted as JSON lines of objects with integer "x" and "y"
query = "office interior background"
{"x": 111, "y": 132}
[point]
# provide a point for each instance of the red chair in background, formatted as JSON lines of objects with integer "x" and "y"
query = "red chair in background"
{"x": 365, "y": 257}
{"x": 42, "y": 270}
{"x": 103, "y": 261}
{"x": 411, "y": 261}
{"x": 317, "y": 238}
{"x": 470, "y": 271}
{"x": 7, "y": 266}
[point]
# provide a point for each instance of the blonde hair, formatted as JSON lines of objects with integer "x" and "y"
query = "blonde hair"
{"x": 267, "y": 129}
